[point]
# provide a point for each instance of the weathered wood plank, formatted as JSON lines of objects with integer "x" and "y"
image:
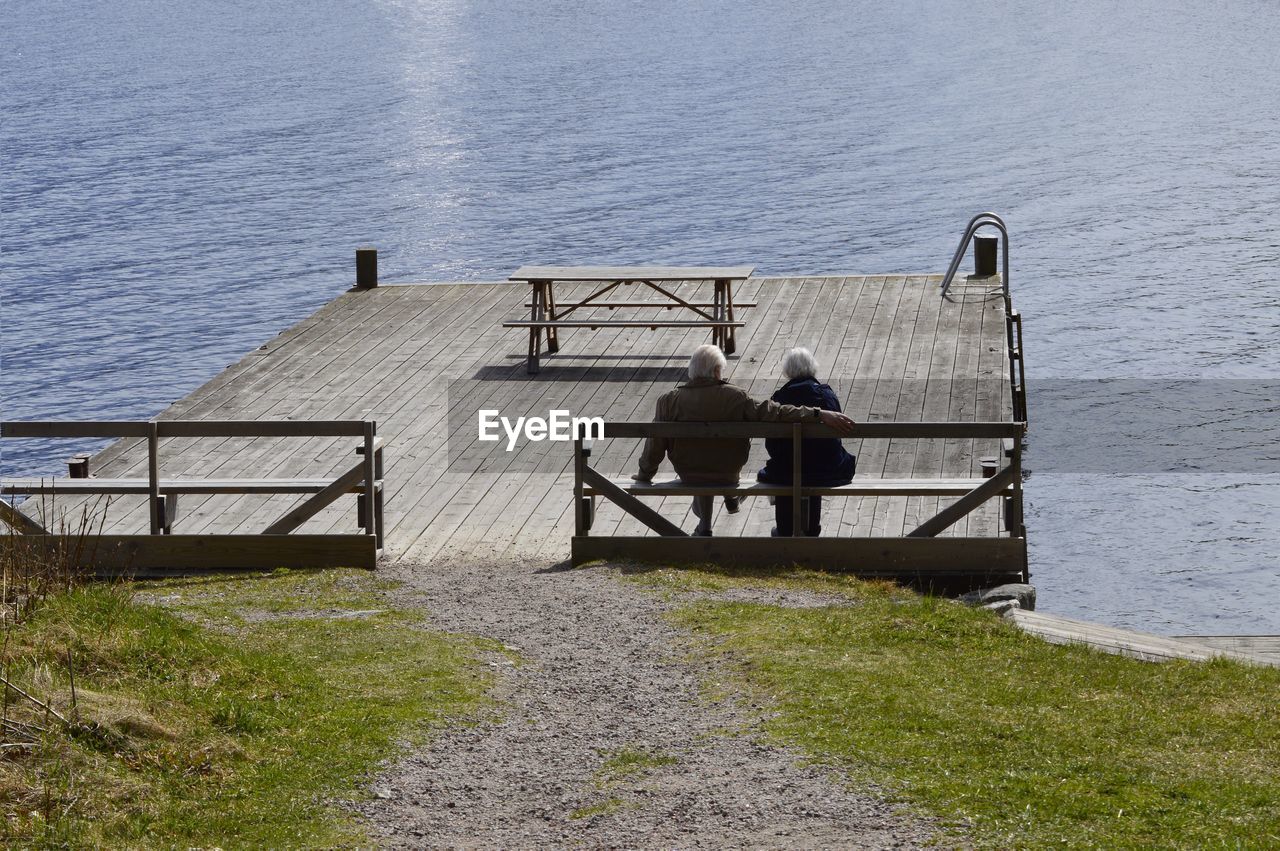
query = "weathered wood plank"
{"x": 884, "y": 429}
{"x": 1125, "y": 642}
{"x": 142, "y": 554}
{"x": 1264, "y": 646}
{"x": 103, "y": 428}
{"x": 652, "y": 324}
{"x": 859, "y": 487}
{"x": 866, "y": 556}
{"x": 631, "y": 273}
{"x": 666, "y": 305}
{"x": 19, "y": 521}
{"x": 185, "y": 486}
{"x": 904, "y": 452}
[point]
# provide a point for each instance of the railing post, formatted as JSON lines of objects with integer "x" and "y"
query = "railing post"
{"x": 1021, "y": 388}
{"x": 153, "y": 477}
{"x": 1013, "y": 517}
{"x": 579, "y": 509}
{"x": 370, "y": 478}
{"x": 366, "y": 268}
{"x": 796, "y": 431}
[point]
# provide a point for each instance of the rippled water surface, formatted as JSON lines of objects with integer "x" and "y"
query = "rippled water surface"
{"x": 181, "y": 181}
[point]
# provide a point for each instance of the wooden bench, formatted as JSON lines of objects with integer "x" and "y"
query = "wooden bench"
{"x": 93, "y": 485}
{"x": 920, "y": 551}
{"x": 546, "y": 316}
{"x": 170, "y": 488}
{"x": 858, "y": 487}
{"x": 161, "y": 549}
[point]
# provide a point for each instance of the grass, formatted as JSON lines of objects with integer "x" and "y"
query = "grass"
{"x": 616, "y": 777}
{"x": 604, "y": 807}
{"x": 629, "y": 762}
{"x": 1018, "y": 742}
{"x": 224, "y": 712}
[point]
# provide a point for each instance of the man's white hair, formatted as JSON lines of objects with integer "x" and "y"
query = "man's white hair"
{"x": 707, "y": 360}
{"x": 799, "y": 363}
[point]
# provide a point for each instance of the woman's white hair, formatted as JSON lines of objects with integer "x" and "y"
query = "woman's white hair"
{"x": 707, "y": 360}
{"x": 799, "y": 363}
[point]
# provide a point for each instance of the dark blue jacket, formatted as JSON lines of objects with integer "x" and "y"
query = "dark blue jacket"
{"x": 823, "y": 460}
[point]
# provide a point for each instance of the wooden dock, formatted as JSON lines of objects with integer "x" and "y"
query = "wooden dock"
{"x": 422, "y": 359}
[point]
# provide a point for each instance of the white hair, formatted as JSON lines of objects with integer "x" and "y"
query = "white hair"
{"x": 707, "y": 360}
{"x": 799, "y": 363}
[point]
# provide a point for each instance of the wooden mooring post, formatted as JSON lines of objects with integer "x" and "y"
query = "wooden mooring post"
{"x": 78, "y": 466}
{"x": 366, "y": 268}
{"x": 985, "y": 249}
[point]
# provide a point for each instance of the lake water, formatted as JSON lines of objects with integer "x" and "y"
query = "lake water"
{"x": 181, "y": 183}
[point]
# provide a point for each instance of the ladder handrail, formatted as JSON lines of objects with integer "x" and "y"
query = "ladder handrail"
{"x": 1013, "y": 320}
{"x": 980, "y": 221}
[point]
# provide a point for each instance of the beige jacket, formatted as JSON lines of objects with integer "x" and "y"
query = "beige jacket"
{"x": 717, "y": 461}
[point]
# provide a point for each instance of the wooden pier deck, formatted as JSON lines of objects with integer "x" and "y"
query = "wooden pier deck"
{"x": 422, "y": 359}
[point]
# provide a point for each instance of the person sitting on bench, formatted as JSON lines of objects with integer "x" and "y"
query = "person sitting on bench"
{"x": 707, "y": 397}
{"x": 823, "y": 460}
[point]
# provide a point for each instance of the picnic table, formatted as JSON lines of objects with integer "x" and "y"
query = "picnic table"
{"x": 546, "y": 316}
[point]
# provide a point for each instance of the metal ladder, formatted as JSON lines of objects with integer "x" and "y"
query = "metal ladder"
{"x": 1013, "y": 319}
{"x": 979, "y": 221}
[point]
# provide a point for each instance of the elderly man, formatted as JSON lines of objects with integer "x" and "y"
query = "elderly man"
{"x": 707, "y": 397}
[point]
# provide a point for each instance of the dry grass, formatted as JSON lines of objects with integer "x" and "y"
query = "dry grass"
{"x": 30, "y": 573}
{"x": 33, "y": 730}
{"x": 228, "y": 711}
{"x": 196, "y": 722}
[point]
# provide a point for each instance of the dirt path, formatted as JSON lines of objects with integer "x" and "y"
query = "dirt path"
{"x": 605, "y": 680}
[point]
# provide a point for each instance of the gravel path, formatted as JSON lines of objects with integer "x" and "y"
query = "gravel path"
{"x": 604, "y": 677}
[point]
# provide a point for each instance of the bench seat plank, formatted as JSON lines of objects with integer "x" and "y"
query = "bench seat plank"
{"x": 669, "y": 305}
{"x": 623, "y": 323}
{"x": 859, "y": 487}
{"x": 30, "y": 486}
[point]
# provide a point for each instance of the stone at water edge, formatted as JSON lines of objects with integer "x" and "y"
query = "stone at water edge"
{"x": 1002, "y": 607}
{"x": 1024, "y": 594}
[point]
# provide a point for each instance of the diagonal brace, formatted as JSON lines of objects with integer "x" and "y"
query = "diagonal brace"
{"x": 949, "y": 515}
{"x": 681, "y": 301}
{"x": 631, "y": 505}
{"x": 20, "y": 521}
{"x": 586, "y": 302}
{"x": 319, "y": 501}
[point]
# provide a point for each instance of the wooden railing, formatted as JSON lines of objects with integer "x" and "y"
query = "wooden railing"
{"x": 1017, "y": 365}
{"x": 363, "y": 478}
{"x": 1003, "y": 481}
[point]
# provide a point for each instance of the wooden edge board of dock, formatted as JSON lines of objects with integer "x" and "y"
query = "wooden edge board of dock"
{"x": 1139, "y": 645}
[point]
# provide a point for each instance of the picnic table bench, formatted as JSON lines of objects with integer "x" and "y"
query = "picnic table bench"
{"x": 545, "y": 316}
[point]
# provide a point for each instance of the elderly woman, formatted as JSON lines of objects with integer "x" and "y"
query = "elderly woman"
{"x": 823, "y": 460}
{"x": 707, "y": 397}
